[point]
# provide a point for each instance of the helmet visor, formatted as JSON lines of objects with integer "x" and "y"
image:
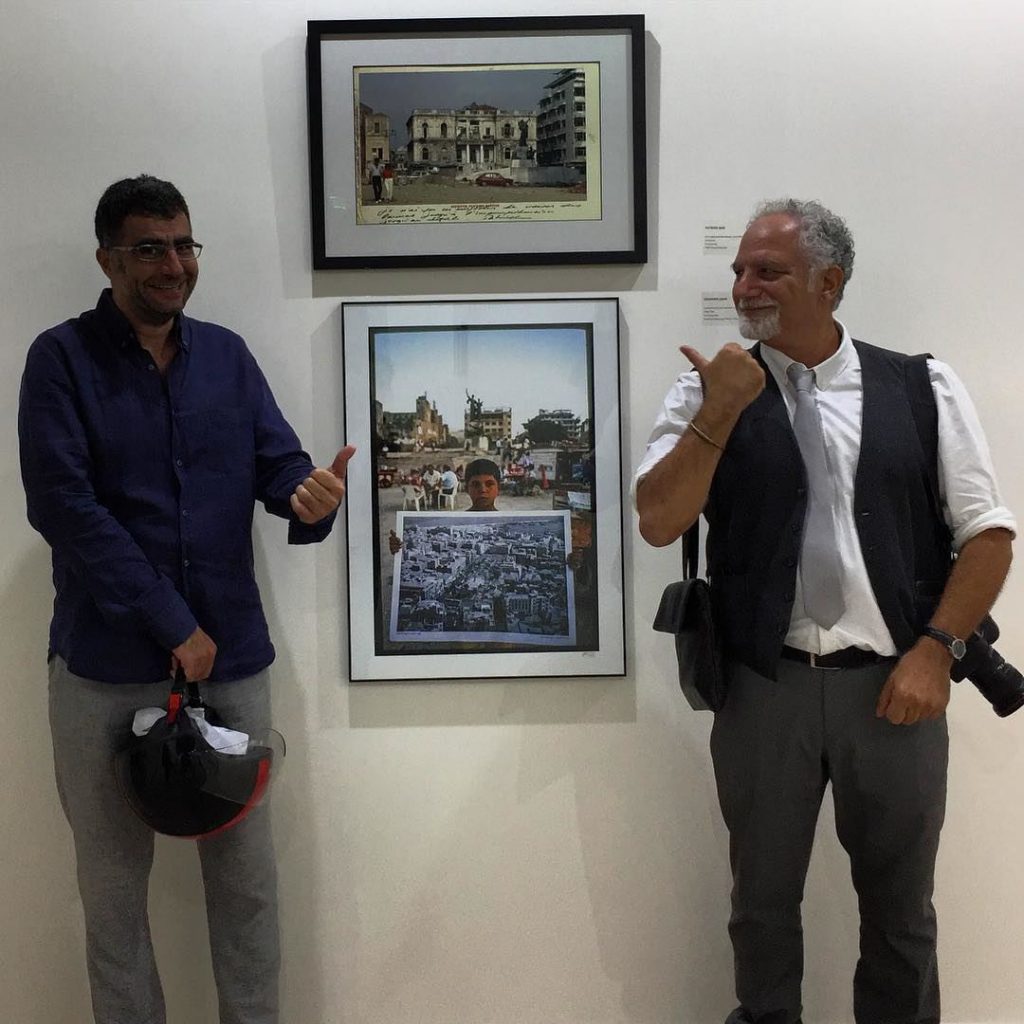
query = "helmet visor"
{"x": 235, "y": 774}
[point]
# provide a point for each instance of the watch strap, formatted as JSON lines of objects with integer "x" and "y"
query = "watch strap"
{"x": 956, "y": 647}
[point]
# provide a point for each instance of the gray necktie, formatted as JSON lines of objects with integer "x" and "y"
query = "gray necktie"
{"x": 821, "y": 571}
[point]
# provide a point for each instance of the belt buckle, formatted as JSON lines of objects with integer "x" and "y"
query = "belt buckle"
{"x": 814, "y": 658}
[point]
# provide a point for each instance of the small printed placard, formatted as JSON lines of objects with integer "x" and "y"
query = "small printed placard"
{"x": 717, "y": 308}
{"x": 721, "y": 239}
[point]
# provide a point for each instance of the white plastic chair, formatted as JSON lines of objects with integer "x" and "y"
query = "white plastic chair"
{"x": 446, "y": 499}
{"x": 411, "y": 497}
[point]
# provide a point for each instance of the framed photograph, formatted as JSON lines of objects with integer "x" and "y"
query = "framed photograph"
{"x": 477, "y": 141}
{"x": 484, "y": 502}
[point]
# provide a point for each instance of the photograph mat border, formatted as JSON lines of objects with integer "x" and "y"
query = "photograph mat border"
{"x": 357, "y": 319}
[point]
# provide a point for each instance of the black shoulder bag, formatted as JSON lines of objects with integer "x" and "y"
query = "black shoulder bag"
{"x": 685, "y": 610}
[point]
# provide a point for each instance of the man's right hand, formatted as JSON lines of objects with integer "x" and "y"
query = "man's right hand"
{"x": 731, "y": 380}
{"x": 195, "y": 656}
{"x": 672, "y": 495}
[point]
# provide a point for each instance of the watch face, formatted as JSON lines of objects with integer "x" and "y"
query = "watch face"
{"x": 956, "y": 647}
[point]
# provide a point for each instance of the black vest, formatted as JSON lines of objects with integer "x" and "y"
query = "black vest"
{"x": 758, "y": 498}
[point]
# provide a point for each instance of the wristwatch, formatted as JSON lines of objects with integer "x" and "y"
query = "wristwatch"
{"x": 956, "y": 647}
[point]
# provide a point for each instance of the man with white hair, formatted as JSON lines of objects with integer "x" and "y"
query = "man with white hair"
{"x": 836, "y": 501}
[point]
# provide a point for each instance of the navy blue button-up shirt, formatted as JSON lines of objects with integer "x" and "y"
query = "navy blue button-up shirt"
{"x": 144, "y": 485}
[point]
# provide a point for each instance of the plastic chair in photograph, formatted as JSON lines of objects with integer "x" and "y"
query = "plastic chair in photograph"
{"x": 412, "y": 497}
{"x": 446, "y": 499}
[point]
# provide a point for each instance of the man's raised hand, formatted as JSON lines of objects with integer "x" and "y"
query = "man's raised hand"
{"x": 732, "y": 379}
{"x": 321, "y": 492}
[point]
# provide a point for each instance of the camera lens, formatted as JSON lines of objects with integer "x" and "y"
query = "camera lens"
{"x": 998, "y": 681}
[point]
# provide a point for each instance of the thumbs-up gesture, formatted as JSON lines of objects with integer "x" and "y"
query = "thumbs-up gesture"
{"x": 321, "y": 492}
{"x": 731, "y": 380}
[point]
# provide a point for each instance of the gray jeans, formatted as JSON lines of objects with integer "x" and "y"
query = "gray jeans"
{"x": 89, "y": 722}
{"x": 775, "y": 747}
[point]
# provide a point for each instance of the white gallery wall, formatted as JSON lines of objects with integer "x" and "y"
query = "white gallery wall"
{"x": 541, "y": 851}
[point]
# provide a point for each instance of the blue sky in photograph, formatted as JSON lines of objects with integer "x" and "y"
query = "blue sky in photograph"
{"x": 396, "y": 93}
{"x": 525, "y": 368}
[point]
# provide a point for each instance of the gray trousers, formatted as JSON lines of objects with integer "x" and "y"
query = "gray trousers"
{"x": 90, "y": 721}
{"x": 775, "y": 745}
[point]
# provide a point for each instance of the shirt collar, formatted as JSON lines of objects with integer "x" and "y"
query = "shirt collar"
{"x": 825, "y": 372}
{"x": 115, "y": 326}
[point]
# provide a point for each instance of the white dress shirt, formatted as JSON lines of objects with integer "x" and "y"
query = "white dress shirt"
{"x": 967, "y": 483}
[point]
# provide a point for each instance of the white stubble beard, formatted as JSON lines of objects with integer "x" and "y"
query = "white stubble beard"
{"x": 763, "y": 327}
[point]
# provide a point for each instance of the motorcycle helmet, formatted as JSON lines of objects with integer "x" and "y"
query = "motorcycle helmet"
{"x": 179, "y": 784}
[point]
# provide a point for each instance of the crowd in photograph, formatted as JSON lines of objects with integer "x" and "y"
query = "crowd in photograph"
{"x": 430, "y": 482}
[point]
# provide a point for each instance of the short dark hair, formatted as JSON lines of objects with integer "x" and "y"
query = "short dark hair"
{"x": 482, "y": 467}
{"x": 144, "y": 195}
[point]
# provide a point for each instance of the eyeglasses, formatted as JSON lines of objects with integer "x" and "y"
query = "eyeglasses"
{"x": 156, "y": 252}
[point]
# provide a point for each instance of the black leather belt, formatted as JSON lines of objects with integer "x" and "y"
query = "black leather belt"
{"x": 848, "y": 657}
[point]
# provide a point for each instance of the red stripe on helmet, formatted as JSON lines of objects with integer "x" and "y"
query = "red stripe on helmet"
{"x": 258, "y": 789}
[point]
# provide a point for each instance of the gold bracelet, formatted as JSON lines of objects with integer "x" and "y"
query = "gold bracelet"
{"x": 704, "y": 437}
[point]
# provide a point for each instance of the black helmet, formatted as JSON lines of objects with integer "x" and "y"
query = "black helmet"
{"x": 180, "y": 785}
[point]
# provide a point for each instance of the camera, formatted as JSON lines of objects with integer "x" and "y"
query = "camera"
{"x": 998, "y": 681}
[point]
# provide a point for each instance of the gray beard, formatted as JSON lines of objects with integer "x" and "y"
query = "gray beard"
{"x": 762, "y": 327}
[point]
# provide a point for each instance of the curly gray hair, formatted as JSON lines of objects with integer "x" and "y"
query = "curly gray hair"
{"x": 824, "y": 236}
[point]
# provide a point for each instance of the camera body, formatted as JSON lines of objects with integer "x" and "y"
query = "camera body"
{"x": 996, "y": 679}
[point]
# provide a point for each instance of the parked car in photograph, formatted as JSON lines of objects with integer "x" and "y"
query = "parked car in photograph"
{"x": 493, "y": 178}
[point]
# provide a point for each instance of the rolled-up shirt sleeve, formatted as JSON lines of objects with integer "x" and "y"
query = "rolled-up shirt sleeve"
{"x": 967, "y": 481}
{"x": 681, "y": 404}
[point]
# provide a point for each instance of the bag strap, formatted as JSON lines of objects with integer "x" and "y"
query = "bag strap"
{"x": 690, "y": 542}
{"x": 180, "y": 688}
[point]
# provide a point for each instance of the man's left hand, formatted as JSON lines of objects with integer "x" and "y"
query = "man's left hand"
{"x": 917, "y": 690}
{"x": 321, "y": 492}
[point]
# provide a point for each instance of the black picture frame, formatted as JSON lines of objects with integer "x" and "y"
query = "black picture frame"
{"x": 578, "y": 198}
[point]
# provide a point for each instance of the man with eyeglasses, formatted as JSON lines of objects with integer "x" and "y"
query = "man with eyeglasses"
{"x": 146, "y": 436}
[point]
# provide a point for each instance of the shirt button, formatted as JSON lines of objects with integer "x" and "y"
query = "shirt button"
{"x": 178, "y": 462}
{"x": 186, "y": 563}
{"x": 150, "y": 367}
{"x": 185, "y": 513}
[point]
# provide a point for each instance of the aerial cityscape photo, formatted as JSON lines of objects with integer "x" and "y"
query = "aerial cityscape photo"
{"x": 484, "y": 577}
